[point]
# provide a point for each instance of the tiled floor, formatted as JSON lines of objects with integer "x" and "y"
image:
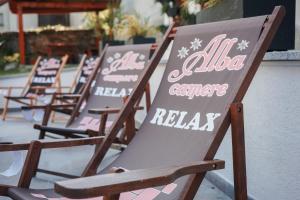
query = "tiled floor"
{"x": 71, "y": 160}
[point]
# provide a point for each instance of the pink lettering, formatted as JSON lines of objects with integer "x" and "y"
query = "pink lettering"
{"x": 196, "y": 90}
{"x": 120, "y": 78}
{"x": 127, "y": 62}
{"x": 214, "y": 57}
{"x": 92, "y": 124}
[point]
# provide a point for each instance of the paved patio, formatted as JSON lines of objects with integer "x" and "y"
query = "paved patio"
{"x": 70, "y": 160}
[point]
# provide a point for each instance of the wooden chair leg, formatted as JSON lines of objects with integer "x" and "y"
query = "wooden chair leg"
{"x": 102, "y": 127}
{"x": 53, "y": 114}
{"x": 115, "y": 196}
{"x": 129, "y": 129}
{"x": 31, "y": 164}
{"x": 46, "y": 117}
{"x": 238, "y": 150}
{"x": 148, "y": 97}
{"x": 5, "y": 108}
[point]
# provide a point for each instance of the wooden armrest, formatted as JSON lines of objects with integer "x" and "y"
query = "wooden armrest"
{"x": 110, "y": 110}
{"x": 40, "y": 87}
{"x": 51, "y": 106}
{"x": 67, "y": 96}
{"x": 139, "y": 108}
{"x": 4, "y": 189}
{"x": 11, "y": 87}
{"x": 48, "y": 87}
{"x": 104, "y": 111}
{"x": 53, "y": 144}
{"x": 116, "y": 183}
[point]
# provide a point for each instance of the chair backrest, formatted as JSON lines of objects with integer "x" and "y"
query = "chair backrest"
{"x": 209, "y": 68}
{"x": 88, "y": 65}
{"x": 119, "y": 71}
{"x": 46, "y": 74}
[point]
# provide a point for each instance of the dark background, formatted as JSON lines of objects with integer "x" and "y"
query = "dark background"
{"x": 285, "y": 37}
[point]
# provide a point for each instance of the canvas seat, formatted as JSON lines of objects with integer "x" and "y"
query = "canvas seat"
{"x": 20, "y": 194}
{"x": 73, "y": 93}
{"x": 112, "y": 81}
{"x": 206, "y": 77}
{"x": 45, "y": 75}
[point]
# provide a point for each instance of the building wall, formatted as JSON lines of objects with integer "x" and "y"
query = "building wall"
{"x": 11, "y": 21}
{"x": 271, "y": 113}
{"x": 297, "y": 36}
{"x": 76, "y": 19}
{"x": 31, "y": 20}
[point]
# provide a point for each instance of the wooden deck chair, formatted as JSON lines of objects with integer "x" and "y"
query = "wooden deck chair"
{"x": 120, "y": 68}
{"x": 84, "y": 70}
{"x": 45, "y": 74}
{"x": 199, "y": 98}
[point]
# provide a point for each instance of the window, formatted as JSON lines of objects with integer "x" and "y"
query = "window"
{"x": 62, "y": 19}
{"x": 1, "y": 20}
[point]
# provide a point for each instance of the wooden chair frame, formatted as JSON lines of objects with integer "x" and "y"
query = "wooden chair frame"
{"x": 32, "y": 100}
{"x": 110, "y": 185}
{"x": 75, "y": 107}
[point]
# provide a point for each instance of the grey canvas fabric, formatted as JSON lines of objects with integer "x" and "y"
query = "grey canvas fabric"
{"x": 118, "y": 74}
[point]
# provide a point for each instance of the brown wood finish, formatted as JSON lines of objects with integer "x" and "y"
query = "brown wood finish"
{"x": 238, "y": 150}
{"x": 21, "y": 35}
{"x": 148, "y": 97}
{"x": 33, "y": 156}
{"x": 31, "y": 164}
{"x": 110, "y": 184}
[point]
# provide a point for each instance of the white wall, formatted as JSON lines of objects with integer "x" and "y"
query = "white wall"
{"x": 76, "y": 19}
{"x": 272, "y": 129}
{"x": 11, "y": 20}
{"x": 31, "y": 20}
{"x": 146, "y": 9}
{"x": 297, "y": 38}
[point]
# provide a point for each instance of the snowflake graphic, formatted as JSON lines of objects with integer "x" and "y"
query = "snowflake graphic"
{"x": 110, "y": 59}
{"x": 196, "y": 44}
{"x": 183, "y": 52}
{"x": 142, "y": 57}
{"x": 117, "y": 55}
{"x": 242, "y": 45}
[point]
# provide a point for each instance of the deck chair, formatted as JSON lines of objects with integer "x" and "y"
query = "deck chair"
{"x": 84, "y": 70}
{"x": 120, "y": 69}
{"x": 44, "y": 75}
{"x": 199, "y": 98}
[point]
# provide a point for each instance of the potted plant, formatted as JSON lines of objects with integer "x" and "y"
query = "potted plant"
{"x": 140, "y": 31}
{"x": 11, "y": 61}
{"x": 184, "y": 12}
{"x": 103, "y": 23}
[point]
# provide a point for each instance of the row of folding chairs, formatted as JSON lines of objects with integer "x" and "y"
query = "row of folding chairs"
{"x": 208, "y": 72}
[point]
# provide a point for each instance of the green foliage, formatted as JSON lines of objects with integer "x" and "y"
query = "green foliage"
{"x": 104, "y": 21}
{"x": 6, "y": 52}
